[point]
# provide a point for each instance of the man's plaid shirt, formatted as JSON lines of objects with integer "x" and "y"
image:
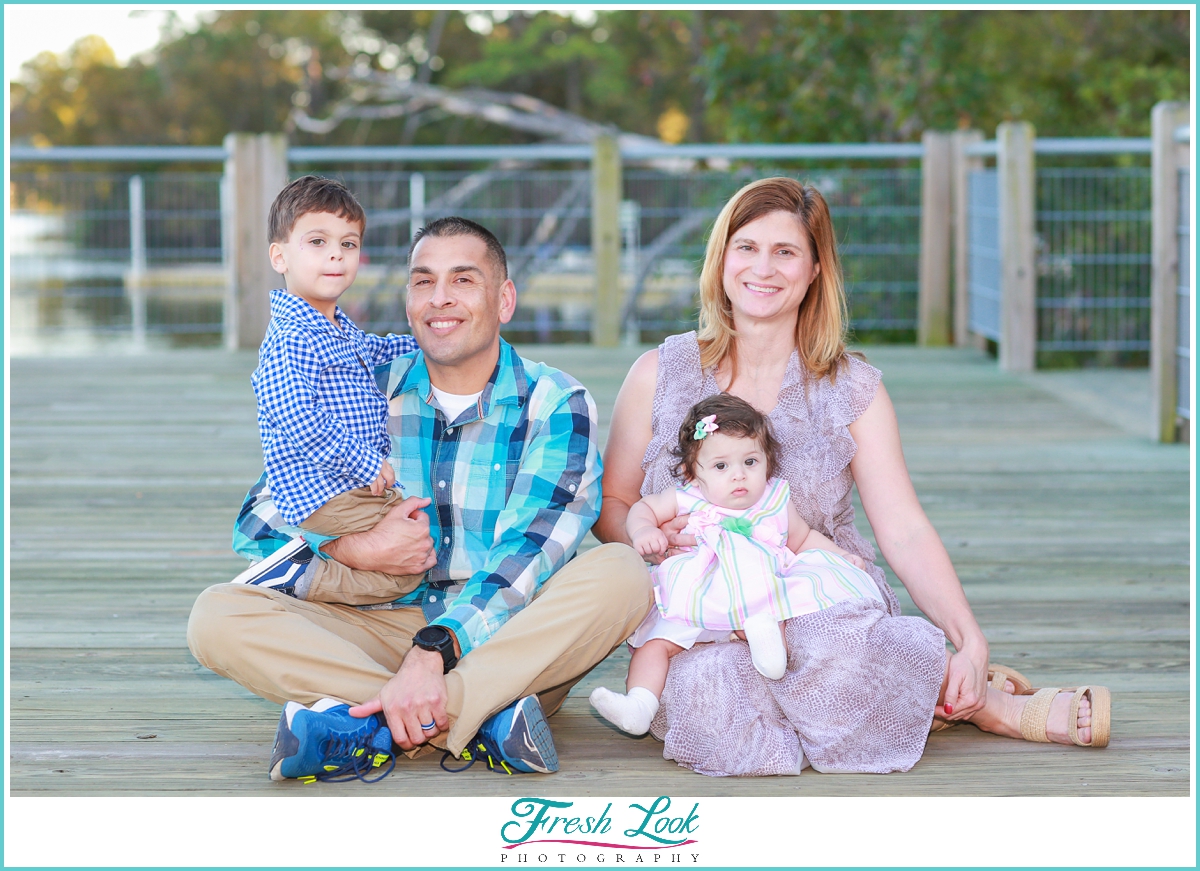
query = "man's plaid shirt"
{"x": 515, "y": 484}
{"x": 321, "y": 417}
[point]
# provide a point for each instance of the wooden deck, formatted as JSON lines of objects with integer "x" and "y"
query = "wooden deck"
{"x": 1070, "y": 533}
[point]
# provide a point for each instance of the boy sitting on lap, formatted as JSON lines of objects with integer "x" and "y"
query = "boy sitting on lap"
{"x": 321, "y": 415}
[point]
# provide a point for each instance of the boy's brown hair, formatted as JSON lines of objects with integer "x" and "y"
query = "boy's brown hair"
{"x": 307, "y": 194}
{"x": 734, "y": 417}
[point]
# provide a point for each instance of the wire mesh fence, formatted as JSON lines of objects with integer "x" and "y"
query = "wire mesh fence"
{"x": 141, "y": 254}
{"x": 111, "y": 253}
{"x": 1093, "y": 259}
{"x": 126, "y": 254}
{"x": 543, "y": 218}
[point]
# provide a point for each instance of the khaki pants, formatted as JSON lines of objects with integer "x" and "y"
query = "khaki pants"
{"x": 286, "y": 649}
{"x": 344, "y": 514}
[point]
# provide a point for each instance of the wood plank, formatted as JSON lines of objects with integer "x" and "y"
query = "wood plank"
{"x": 1071, "y": 536}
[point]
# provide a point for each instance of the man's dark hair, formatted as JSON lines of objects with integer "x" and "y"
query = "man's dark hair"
{"x": 734, "y": 417}
{"x": 311, "y": 194}
{"x": 455, "y": 226}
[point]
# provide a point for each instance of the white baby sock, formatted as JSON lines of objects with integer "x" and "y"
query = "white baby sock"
{"x": 766, "y": 645}
{"x": 630, "y": 713}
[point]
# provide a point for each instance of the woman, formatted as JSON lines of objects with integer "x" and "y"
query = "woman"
{"x": 864, "y": 685}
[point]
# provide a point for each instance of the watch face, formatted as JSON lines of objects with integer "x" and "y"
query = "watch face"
{"x": 439, "y": 640}
{"x": 434, "y": 636}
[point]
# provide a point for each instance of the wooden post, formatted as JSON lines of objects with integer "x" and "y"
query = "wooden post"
{"x": 416, "y": 203}
{"x": 606, "y": 241}
{"x": 933, "y": 300}
{"x": 255, "y": 172}
{"x": 963, "y": 165}
{"x": 1165, "y": 162}
{"x": 1018, "y": 275}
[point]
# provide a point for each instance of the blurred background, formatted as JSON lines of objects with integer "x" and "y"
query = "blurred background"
{"x": 121, "y": 207}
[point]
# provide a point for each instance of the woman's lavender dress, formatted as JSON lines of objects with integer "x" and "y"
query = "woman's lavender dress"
{"x": 862, "y": 681}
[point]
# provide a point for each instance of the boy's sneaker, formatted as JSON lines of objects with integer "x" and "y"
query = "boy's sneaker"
{"x": 515, "y": 739}
{"x": 325, "y": 743}
{"x": 280, "y": 570}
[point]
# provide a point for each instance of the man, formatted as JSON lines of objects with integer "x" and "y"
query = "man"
{"x": 501, "y": 459}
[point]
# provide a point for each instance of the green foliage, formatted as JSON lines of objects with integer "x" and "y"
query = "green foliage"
{"x": 728, "y": 75}
{"x": 238, "y": 71}
{"x": 878, "y": 76}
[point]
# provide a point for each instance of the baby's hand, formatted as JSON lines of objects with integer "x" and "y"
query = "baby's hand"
{"x": 649, "y": 540}
{"x": 856, "y": 561}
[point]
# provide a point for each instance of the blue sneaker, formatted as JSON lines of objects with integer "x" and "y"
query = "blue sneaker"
{"x": 516, "y": 738}
{"x": 325, "y": 743}
{"x": 280, "y": 570}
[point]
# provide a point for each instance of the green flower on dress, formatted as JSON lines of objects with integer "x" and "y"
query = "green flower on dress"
{"x": 739, "y": 525}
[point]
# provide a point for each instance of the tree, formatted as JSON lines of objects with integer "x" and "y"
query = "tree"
{"x": 729, "y": 75}
{"x": 876, "y": 76}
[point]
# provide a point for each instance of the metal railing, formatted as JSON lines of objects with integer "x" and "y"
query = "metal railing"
{"x": 543, "y": 218}
{"x": 115, "y": 253}
{"x": 90, "y": 254}
{"x": 1093, "y": 249}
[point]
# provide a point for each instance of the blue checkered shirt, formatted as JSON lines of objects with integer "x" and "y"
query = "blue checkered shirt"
{"x": 321, "y": 417}
{"x": 515, "y": 484}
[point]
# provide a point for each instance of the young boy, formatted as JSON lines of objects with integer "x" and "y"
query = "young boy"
{"x": 321, "y": 416}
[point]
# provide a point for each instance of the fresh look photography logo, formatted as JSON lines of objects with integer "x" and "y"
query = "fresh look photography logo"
{"x": 541, "y": 831}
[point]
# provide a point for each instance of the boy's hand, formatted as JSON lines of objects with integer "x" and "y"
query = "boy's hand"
{"x": 649, "y": 540}
{"x": 385, "y": 479}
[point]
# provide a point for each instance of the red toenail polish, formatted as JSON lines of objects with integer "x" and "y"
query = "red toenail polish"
{"x": 949, "y": 710}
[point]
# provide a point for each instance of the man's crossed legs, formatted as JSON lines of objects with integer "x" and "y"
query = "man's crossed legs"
{"x": 291, "y": 650}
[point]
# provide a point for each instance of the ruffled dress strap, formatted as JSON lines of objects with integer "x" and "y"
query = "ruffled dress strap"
{"x": 844, "y": 400}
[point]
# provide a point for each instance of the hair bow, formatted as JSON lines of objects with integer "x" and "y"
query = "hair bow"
{"x": 704, "y": 426}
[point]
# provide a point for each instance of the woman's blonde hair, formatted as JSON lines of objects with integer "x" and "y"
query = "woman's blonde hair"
{"x": 821, "y": 321}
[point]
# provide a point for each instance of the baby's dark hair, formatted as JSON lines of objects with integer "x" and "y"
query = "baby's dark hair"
{"x": 734, "y": 417}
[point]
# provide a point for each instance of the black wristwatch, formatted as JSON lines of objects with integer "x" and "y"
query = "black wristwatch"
{"x": 439, "y": 640}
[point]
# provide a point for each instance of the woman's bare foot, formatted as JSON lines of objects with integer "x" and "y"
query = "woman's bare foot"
{"x": 1001, "y": 715}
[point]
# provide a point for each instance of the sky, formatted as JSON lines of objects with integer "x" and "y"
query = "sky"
{"x": 33, "y": 28}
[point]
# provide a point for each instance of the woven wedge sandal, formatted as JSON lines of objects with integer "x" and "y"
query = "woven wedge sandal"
{"x": 997, "y": 675}
{"x": 1037, "y": 713}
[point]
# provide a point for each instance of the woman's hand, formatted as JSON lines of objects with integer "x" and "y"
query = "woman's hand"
{"x": 966, "y": 683}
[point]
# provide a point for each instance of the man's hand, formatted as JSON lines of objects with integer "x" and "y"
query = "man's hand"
{"x": 399, "y": 544}
{"x": 416, "y": 696}
{"x": 385, "y": 479}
